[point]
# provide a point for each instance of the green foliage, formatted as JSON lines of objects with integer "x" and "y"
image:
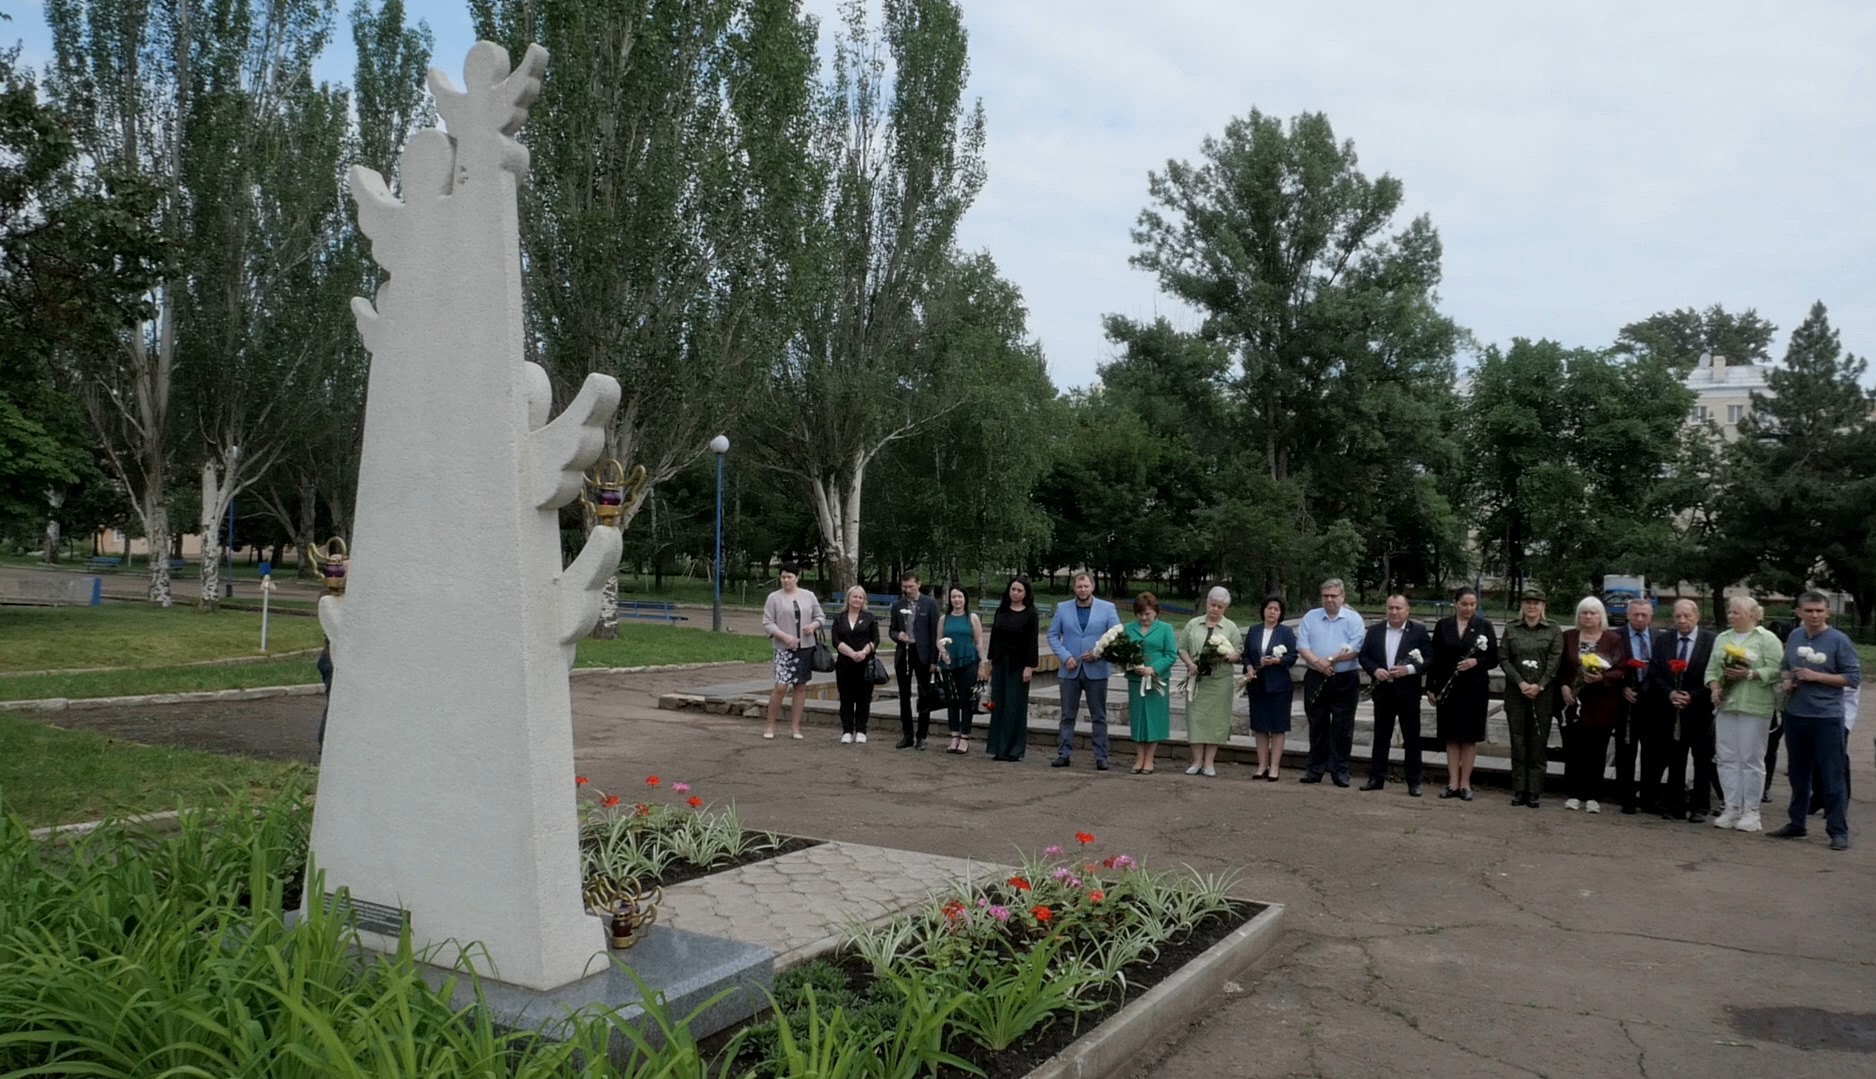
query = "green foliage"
{"x": 1677, "y": 338}
{"x": 1803, "y": 498}
{"x": 644, "y": 843}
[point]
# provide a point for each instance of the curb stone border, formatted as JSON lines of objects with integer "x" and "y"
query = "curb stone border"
{"x": 1108, "y": 1049}
{"x": 61, "y": 704}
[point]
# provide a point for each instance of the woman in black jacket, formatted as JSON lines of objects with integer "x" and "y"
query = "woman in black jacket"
{"x": 856, "y": 638}
{"x": 1013, "y": 655}
{"x": 1465, "y": 652}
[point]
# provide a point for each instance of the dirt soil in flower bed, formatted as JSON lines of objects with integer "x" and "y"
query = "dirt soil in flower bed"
{"x": 1033, "y": 1049}
{"x": 679, "y": 872}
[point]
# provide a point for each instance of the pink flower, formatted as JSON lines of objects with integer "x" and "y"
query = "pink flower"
{"x": 680, "y": 788}
{"x": 1001, "y": 914}
{"x": 1051, "y": 851}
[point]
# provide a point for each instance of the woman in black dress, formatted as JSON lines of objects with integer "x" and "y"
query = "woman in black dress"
{"x": 856, "y": 638}
{"x": 1013, "y": 654}
{"x": 1465, "y": 651}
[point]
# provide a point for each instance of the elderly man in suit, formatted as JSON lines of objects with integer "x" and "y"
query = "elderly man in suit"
{"x": 1394, "y": 654}
{"x": 914, "y": 629}
{"x": 1072, "y": 636}
{"x": 1676, "y": 671}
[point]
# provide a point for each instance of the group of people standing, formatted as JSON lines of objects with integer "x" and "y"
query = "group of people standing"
{"x": 1659, "y": 698}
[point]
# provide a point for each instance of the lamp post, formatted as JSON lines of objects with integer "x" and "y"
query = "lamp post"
{"x": 719, "y": 445}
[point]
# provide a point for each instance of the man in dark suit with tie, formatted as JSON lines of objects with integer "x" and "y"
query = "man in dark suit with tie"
{"x": 1678, "y": 666}
{"x": 1394, "y": 654}
{"x": 1638, "y": 719}
{"x": 914, "y": 630}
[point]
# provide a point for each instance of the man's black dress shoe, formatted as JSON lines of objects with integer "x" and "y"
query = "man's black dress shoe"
{"x": 1100, "y": 766}
{"x": 1629, "y": 809}
{"x": 1340, "y": 781}
{"x": 1517, "y": 798}
{"x": 920, "y": 746}
{"x": 1413, "y": 790}
{"x": 1373, "y": 784}
{"x": 1694, "y": 816}
{"x": 1840, "y": 842}
{"x": 1059, "y": 762}
{"x": 1532, "y": 802}
{"x": 1789, "y": 831}
{"x": 1307, "y": 778}
{"x": 904, "y": 743}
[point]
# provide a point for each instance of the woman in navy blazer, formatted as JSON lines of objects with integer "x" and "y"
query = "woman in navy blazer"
{"x": 1269, "y": 653}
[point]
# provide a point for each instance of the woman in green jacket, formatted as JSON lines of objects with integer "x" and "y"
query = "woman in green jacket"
{"x": 1742, "y": 676}
{"x": 1149, "y": 699}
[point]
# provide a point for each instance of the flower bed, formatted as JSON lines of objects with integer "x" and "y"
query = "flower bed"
{"x": 992, "y": 977}
{"x": 655, "y": 842}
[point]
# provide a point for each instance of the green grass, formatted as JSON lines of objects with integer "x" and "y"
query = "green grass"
{"x": 138, "y": 635}
{"x": 52, "y": 776}
{"x": 638, "y": 645}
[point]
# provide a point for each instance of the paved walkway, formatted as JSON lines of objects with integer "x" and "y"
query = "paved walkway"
{"x": 798, "y": 905}
{"x": 1426, "y": 937}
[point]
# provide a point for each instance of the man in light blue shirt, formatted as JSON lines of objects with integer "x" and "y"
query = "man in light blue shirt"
{"x": 1073, "y": 633}
{"x": 1329, "y": 639}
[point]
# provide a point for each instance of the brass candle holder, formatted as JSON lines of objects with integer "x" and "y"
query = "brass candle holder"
{"x": 628, "y": 910}
{"x": 333, "y": 559}
{"x": 609, "y": 490}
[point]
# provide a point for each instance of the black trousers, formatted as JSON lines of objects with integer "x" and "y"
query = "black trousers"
{"x": 1584, "y": 750}
{"x": 856, "y": 695}
{"x": 1391, "y": 707}
{"x": 1696, "y": 741}
{"x": 959, "y": 706}
{"x": 1627, "y": 748}
{"x": 1659, "y": 751}
{"x": 1331, "y": 711}
{"x": 909, "y": 668}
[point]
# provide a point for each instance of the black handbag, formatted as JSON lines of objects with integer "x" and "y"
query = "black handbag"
{"x": 822, "y": 658}
{"x": 941, "y": 689}
{"x": 876, "y": 671}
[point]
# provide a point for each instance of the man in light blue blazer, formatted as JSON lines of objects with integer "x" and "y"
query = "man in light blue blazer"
{"x": 1072, "y": 634}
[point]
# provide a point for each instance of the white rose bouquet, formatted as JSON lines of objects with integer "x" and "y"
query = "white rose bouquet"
{"x": 1126, "y": 653}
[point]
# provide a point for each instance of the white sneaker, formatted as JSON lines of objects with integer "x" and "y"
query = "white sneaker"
{"x": 1192, "y": 771}
{"x": 1728, "y": 818}
{"x": 1571, "y": 803}
{"x": 846, "y": 738}
{"x": 1749, "y": 822}
{"x": 1592, "y": 806}
{"x": 860, "y": 738}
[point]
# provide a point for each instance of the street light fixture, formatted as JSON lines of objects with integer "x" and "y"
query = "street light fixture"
{"x": 720, "y": 446}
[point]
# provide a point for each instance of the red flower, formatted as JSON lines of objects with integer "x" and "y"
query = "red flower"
{"x": 651, "y": 781}
{"x": 579, "y": 781}
{"x": 641, "y": 810}
{"x": 1108, "y": 861}
{"x": 1678, "y": 666}
{"x": 609, "y": 801}
{"x": 694, "y": 802}
{"x": 990, "y": 706}
{"x": 1018, "y": 883}
{"x": 1084, "y": 838}
{"x": 953, "y": 910}
{"x": 1095, "y": 895}
{"x": 1637, "y": 664}
{"x": 1043, "y": 914}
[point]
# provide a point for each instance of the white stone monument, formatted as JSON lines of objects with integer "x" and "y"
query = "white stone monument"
{"x": 446, "y": 795}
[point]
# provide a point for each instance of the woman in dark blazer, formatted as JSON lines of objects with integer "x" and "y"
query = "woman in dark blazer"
{"x": 856, "y": 638}
{"x": 1465, "y": 652}
{"x": 1013, "y": 655}
{"x": 1269, "y": 653}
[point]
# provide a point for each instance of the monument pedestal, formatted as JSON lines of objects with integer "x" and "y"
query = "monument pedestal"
{"x": 689, "y": 970}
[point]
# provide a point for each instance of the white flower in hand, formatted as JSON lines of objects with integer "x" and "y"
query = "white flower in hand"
{"x": 1414, "y": 656}
{"x": 1279, "y": 651}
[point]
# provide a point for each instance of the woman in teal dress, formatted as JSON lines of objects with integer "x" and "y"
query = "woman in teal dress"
{"x": 960, "y": 663}
{"x": 1149, "y": 712}
{"x": 1212, "y": 690}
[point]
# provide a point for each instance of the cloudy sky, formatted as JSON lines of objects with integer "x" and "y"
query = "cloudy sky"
{"x": 1586, "y": 164}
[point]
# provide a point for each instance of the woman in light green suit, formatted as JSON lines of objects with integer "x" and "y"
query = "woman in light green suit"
{"x": 1208, "y": 709}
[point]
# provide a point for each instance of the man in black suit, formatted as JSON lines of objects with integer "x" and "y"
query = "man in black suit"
{"x": 1394, "y": 654}
{"x": 1640, "y": 718}
{"x": 914, "y": 630}
{"x": 1676, "y": 670}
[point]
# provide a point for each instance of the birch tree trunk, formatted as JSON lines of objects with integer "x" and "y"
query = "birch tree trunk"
{"x": 214, "y": 504}
{"x": 54, "y": 500}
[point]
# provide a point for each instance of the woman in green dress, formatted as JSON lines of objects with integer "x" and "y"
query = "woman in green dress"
{"x": 1210, "y": 685}
{"x": 1149, "y": 711}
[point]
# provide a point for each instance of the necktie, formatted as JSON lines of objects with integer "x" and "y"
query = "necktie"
{"x": 1641, "y": 651}
{"x": 1683, "y": 649}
